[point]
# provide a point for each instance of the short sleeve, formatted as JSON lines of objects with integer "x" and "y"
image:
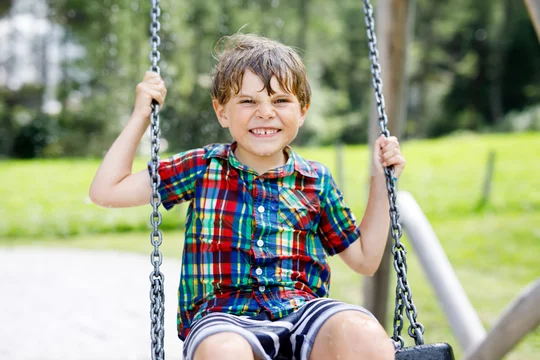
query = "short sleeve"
{"x": 178, "y": 175}
{"x": 337, "y": 227}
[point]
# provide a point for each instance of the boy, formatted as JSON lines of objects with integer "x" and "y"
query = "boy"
{"x": 261, "y": 219}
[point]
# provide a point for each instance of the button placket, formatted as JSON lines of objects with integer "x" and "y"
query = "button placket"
{"x": 262, "y": 205}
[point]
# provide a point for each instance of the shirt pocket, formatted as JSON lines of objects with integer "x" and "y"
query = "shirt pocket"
{"x": 297, "y": 209}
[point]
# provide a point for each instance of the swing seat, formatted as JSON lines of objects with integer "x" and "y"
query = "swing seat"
{"x": 436, "y": 351}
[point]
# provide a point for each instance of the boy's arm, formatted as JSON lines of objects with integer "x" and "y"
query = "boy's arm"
{"x": 114, "y": 184}
{"x": 364, "y": 255}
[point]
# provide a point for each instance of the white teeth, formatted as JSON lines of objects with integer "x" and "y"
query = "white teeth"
{"x": 264, "y": 131}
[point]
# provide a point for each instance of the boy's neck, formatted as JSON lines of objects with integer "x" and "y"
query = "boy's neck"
{"x": 261, "y": 164}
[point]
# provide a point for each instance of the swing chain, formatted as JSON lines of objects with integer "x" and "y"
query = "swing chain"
{"x": 157, "y": 290}
{"x": 403, "y": 291}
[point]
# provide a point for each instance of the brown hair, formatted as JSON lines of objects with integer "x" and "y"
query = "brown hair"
{"x": 265, "y": 58}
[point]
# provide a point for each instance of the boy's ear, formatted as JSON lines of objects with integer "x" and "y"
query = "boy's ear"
{"x": 303, "y": 113}
{"x": 220, "y": 113}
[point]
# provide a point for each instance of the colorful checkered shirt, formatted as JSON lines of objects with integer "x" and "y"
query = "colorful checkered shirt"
{"x": 253, "y": 242}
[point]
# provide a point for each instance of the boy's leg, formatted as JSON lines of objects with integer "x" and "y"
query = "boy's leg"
{"x": 351, "y": 335}
{"x": 223, "y": 336}
{"x": 224, "y": 346}
{"x": 329, "y": 329}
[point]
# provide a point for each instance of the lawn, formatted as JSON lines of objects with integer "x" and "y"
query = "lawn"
{"x": 494, "y": 250}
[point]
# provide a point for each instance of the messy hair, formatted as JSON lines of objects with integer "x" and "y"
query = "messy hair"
{"x": 265, "y": 58}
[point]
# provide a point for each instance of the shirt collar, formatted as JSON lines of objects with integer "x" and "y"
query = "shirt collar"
{"x": 300, "y": 164}
{"x": 217, "y": 151}
{"x": 294, "y": 161}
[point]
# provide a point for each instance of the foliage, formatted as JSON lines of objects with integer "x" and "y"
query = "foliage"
{"x": 471, "y": 63}
{"x": 24, "y": 128}
{"x": 477, "y": 49}
{"x": 33, "y": 138}
{"x": 527, "y": 119}
{"x": 5, "y": 6}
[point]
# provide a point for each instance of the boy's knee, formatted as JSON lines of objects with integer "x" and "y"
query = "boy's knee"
{"x": 366, "y": 333}
{"x": 356, "y": 333}
{"x": 227, "y": 345}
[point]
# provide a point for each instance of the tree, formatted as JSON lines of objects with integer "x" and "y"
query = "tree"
{"x": 5, "y": 6}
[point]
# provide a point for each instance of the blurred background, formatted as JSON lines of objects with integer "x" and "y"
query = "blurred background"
{"x": 470, "y": 128}
{"x": 68, "y": 69}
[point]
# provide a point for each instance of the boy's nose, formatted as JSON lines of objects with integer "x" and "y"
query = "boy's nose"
{"x": 265, "y": 110}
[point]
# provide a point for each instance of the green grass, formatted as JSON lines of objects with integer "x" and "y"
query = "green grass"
{"x": 50, "y": 197}
{"x": 494, "y": 251}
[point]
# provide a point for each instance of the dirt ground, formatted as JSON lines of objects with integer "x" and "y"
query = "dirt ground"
{"x": 81, "y": 304}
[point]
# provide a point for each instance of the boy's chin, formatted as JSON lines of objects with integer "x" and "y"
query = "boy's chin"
{"x": 265, "y": 150}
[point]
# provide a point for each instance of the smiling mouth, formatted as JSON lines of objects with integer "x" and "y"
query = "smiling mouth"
{"x": 261, "y": 132}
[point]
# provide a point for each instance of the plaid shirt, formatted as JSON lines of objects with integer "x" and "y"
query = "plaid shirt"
{"x": 253, "y": 242}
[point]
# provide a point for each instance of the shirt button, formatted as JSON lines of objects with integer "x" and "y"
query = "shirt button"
{"x": 262, "y": 288}
{"x": 260, "y": 209}
{"x": 258, "y": 271}
{"x": 260, "y": 243}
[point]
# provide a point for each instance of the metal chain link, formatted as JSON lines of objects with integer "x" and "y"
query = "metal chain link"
{"x": 157, "y": 279}
{"x": 403, "y": 291}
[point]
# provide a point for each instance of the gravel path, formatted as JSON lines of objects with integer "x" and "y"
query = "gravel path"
{"x": 81, "y": 304}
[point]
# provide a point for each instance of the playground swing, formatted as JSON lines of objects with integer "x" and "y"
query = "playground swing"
{"x": 421, "y": 351}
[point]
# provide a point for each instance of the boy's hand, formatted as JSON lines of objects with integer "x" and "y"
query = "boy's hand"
{"x": 152, "y": 87}
{"x": 386, "y": 152}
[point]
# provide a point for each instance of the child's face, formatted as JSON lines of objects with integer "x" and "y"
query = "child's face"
{"x": 262, "y": 124}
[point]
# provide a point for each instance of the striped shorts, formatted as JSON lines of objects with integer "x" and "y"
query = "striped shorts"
{"x": 286, "y": 338}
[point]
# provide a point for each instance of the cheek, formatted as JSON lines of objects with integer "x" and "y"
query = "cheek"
{"x": 291, "y": 117}
{"x": 243, "y": 113}
{"x": 239, "y": 120}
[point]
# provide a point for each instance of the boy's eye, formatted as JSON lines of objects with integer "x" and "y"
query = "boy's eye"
{"x": 282, "y": 101}
{"x": 246, "y": 101}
